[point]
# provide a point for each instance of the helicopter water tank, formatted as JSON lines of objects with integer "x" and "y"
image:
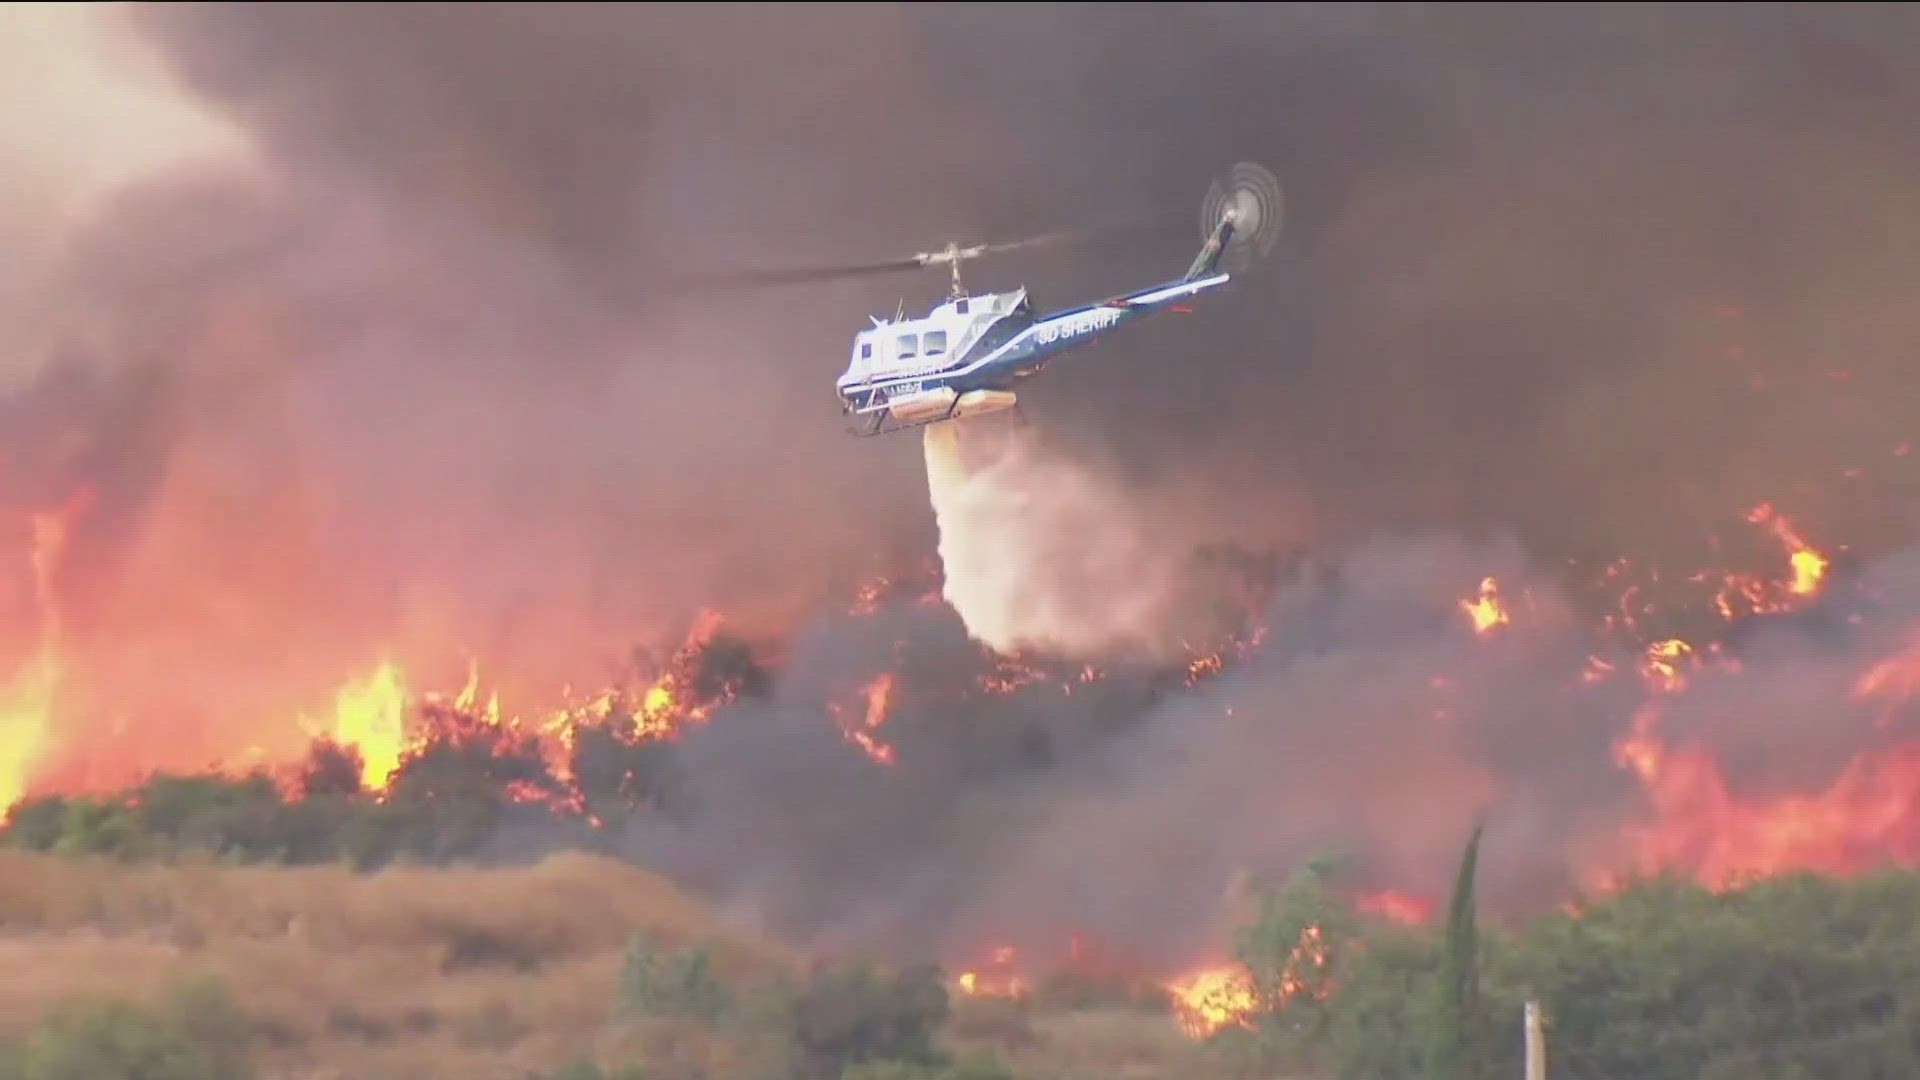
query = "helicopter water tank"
{"x": 981, "y": 402}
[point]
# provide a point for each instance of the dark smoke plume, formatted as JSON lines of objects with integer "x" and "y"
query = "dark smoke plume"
{"x": 1596, "y": 278}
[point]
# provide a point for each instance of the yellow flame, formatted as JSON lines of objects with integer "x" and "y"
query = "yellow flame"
{"x": 26, "y": 712}
{"x": 1486, "y": 610}
{"x": 26, "y": 705}
{"x": 1002, "y": 981}
{"x": 1809, "y": 565}
{"x": 1213, "y": 998}
{"x": 372, "y": 715}
{"x": 1662, "y": 664}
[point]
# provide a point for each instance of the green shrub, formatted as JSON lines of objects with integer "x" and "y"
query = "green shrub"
{"x": 659, "y": 981}
{"x": 584, "y": 1069}
{"x": 843, "y": 1017}
{"x": 969, "y": 1068}
{"x": 195, "y": 1034}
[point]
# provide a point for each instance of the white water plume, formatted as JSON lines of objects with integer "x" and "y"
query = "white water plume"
{"x": 1041, "y": 552}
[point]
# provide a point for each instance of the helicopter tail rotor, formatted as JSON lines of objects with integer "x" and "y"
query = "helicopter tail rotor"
{"x": 1251, "y": 195}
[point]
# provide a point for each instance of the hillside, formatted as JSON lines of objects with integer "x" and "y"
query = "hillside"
{"x": 430, "y": 972}
{"x": 402, "y": 972}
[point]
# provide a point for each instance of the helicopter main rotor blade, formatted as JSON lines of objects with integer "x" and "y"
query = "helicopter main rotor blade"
{"x": 755, "y": 279}
{"x": 955, "y": 253}
{"x": 730, "y": 281}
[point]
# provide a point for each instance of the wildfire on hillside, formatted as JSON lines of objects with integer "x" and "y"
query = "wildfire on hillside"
{"x": 1695, "y": 819}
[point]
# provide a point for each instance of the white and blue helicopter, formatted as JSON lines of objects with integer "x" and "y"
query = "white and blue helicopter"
{"x": 965, "y": 357}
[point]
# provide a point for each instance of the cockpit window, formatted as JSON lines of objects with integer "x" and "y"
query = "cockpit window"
{"x": 960, "y": 305}
{"x": 907, "y": 347}
{"x": 936, "y": 342}
{"x": 866, "y": 350}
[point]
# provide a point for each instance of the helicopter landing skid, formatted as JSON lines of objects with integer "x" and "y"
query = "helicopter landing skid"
{"x": 884, "y": 424}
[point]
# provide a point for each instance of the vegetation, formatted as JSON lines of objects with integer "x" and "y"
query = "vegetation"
{"x": 295, "y": 901}
{"x": 585, "y": 968}
{"x": 1791, "y": 977}
{"x": 194, "y": 1033}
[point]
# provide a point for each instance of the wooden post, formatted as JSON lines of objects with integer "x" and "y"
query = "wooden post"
{"x": 1536, "y": 1044}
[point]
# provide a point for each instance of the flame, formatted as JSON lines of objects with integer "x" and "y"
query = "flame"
{"x": 27, "y": 699}
{"x": 1694, "y": 818}
{"x": 1486, "y": 610}
{"x": 371, "y": 716}
{"x": 1700, "y": 826}
{"x": 877, "y": 698}
{"x": 998, "y": 977}
{"x": 1663, "y": 665}
{"x": 1397, "y": 906}
{"x": 1809, "y": 565}
{"x": 1212, "y": 999}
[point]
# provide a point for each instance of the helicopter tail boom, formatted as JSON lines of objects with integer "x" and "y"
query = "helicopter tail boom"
{"x": 1208, "y": 261}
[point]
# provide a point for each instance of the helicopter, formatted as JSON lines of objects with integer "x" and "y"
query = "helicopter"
{"x": 965, "y": 357}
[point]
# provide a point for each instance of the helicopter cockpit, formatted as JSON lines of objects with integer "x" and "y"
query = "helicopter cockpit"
{"x": 895, "y": 348}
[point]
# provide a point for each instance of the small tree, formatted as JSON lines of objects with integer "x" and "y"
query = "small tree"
{"x": 1458, "y": 1016}
{"x": 1294, "y": 950}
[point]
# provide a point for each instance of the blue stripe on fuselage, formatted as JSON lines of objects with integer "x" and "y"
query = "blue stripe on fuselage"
{"x": 1032, "y": 347}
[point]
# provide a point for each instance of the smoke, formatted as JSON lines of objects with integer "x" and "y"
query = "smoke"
{"x": 352, "y": 318}
{"x": 1376, "y": 723}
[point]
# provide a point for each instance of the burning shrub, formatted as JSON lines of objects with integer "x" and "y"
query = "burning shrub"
{"x": 618, "y": 774}
{"x": 1294, "y": 949}
{"x": 465, "y": 783}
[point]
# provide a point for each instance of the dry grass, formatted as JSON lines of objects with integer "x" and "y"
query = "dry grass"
{"x": 406, "y": 972}
{"x": 1108, "y": 1043}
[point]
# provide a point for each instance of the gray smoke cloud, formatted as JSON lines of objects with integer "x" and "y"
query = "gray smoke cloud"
{"x": 1509, "y": 234}
{"x": 1376, "y": 723}
{"x": 400, "y": 374}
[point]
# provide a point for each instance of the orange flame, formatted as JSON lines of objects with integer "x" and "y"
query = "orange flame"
{"x": 877, "y": 697}
{"x": 1397, "y": 907}
{"x": 1486, "y": 610}
{"x": 998, "y": 977}
{"x": 371, "y": 716}
{"x": 27, "y": 701}
{"x": 1212, "y": 999}
{"x": 1809, "y": 565}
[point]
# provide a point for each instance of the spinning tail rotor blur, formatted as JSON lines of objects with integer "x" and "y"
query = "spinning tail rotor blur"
{"x": 1251, "y": 194}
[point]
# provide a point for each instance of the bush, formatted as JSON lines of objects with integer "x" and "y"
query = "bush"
{"x": 195, "y": 1034}
{"x": 844, "y": 1017}
{"x": 970, "y": 1068}
{"x": 659, "y": 981}
{"x": 588, "y": 1070}
{"x": 1001, "y": 1021}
